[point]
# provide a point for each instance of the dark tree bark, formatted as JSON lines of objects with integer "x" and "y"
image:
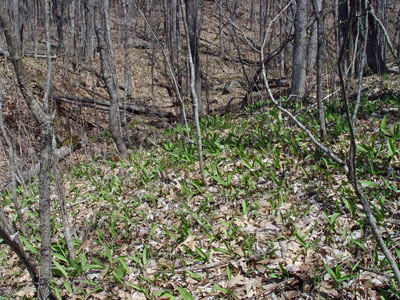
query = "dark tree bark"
{"x": 298, "y": 87}
{"x": 114, "y": 116}
{"x": 343, "y": 16}
{"x": 348, "y": 30}
{"x": 321, "y": 112}
{"x": 58, "y": 8}
{"x": 397, "y": 35}
{"x": 194, "y": 38}
{"x": 374, "y": 55}
{"x": 73, "y": 18}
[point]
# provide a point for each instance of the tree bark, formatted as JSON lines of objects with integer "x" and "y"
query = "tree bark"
{"x": 58, "y": 7}
{"x": 45, "y": 122}
{"x": 195, "y": 98}
{"x": 89, "y": 32}
{"x": 298, "y": 87}
{"x": 312, "y": 45}
{"x": 374, "y": 57}
{"x": 320, "y": 31}
{"x": 114, "y": 117}
{"x": 191, "y": 16}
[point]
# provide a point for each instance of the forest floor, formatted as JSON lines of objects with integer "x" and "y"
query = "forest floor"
{"x": 277, "y": 219}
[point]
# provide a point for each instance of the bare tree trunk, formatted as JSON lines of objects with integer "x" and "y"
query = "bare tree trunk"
{"x": 221, "y": 31}
{"x": 343, "y": 17}
{"x": 44, "y": 176}
{"x": 374, "y": 58}
{"x": 89, "y": 32}
{"x": 361, "y": 64}
{"x": 45, "y": 121}
{"x": 195, "y": 97}
{"x": 63, "y": 211}
{"x": 114, "y": 118}
{"x": 320, "y": 31}
{"x": 73, "y": 33}
{"x": 313, "y": 45}
{"x": 127, "y": 67}
{"x": 397, "y": 35}
{"x": 59, "y": 16}
{"x": 298, "y": 87}
{"x": 194, "y": 38}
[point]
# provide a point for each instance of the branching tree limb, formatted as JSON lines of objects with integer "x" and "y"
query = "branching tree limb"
{"x": 45, "y": 121}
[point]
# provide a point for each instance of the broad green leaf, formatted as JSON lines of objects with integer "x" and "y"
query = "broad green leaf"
{"x": 134, "y": 286}
{"x": 370, "y": 184}
{"x": 194, "y": 275}
{"x": 333, "y": 218}
{"x": 93, "y": 267}
{"x": 28, "y": 245}
{"x": 331, "y": 272}
{"x": 119, "y": 273}
{"x": 60, "y": 257}
{"x": 347, "y": 277}
{"x": 382, "y": 124}
{"x": 60, "y": 268}
{"x": 184, "y": 294}
{"x": 58, "y": 295}
{"x": 359, "y": 244}
{"x": 83, "y": 260}
{"x": 68, "y": 287}
{"x": 398, "y": 253}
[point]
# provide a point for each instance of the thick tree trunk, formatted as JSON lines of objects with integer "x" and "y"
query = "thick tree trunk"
{"x": 58, "y": 7}
{"x": 89, "y": 32}
{"x": 299, "y": 51}
{"x": 312, "y": 45}
{"x": 114, "y": 117}
{"x": 320, "y": 32}
{"x": 374, "y": 57}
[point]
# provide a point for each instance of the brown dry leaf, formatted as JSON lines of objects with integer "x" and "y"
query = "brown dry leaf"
{"x": 26, "y": 292}
{"x": 190, "y": 242}
{"x": 237, "y": 280}
{"x": 151, "y": 269}
{"x": 292, "y": 295}
{"x": 244, "y": 287}
{"x": 101, "y": 296}
{"x": 124, "y": 295}
{"x": 239, "y": 251}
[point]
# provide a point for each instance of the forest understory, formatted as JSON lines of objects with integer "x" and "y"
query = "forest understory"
{"x": 277, "y": 218}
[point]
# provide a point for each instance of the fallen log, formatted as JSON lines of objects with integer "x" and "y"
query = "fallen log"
{"x": 252, "y": 85}
{"x": 104, "y": 105}
{"x": 28, "y": 175}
